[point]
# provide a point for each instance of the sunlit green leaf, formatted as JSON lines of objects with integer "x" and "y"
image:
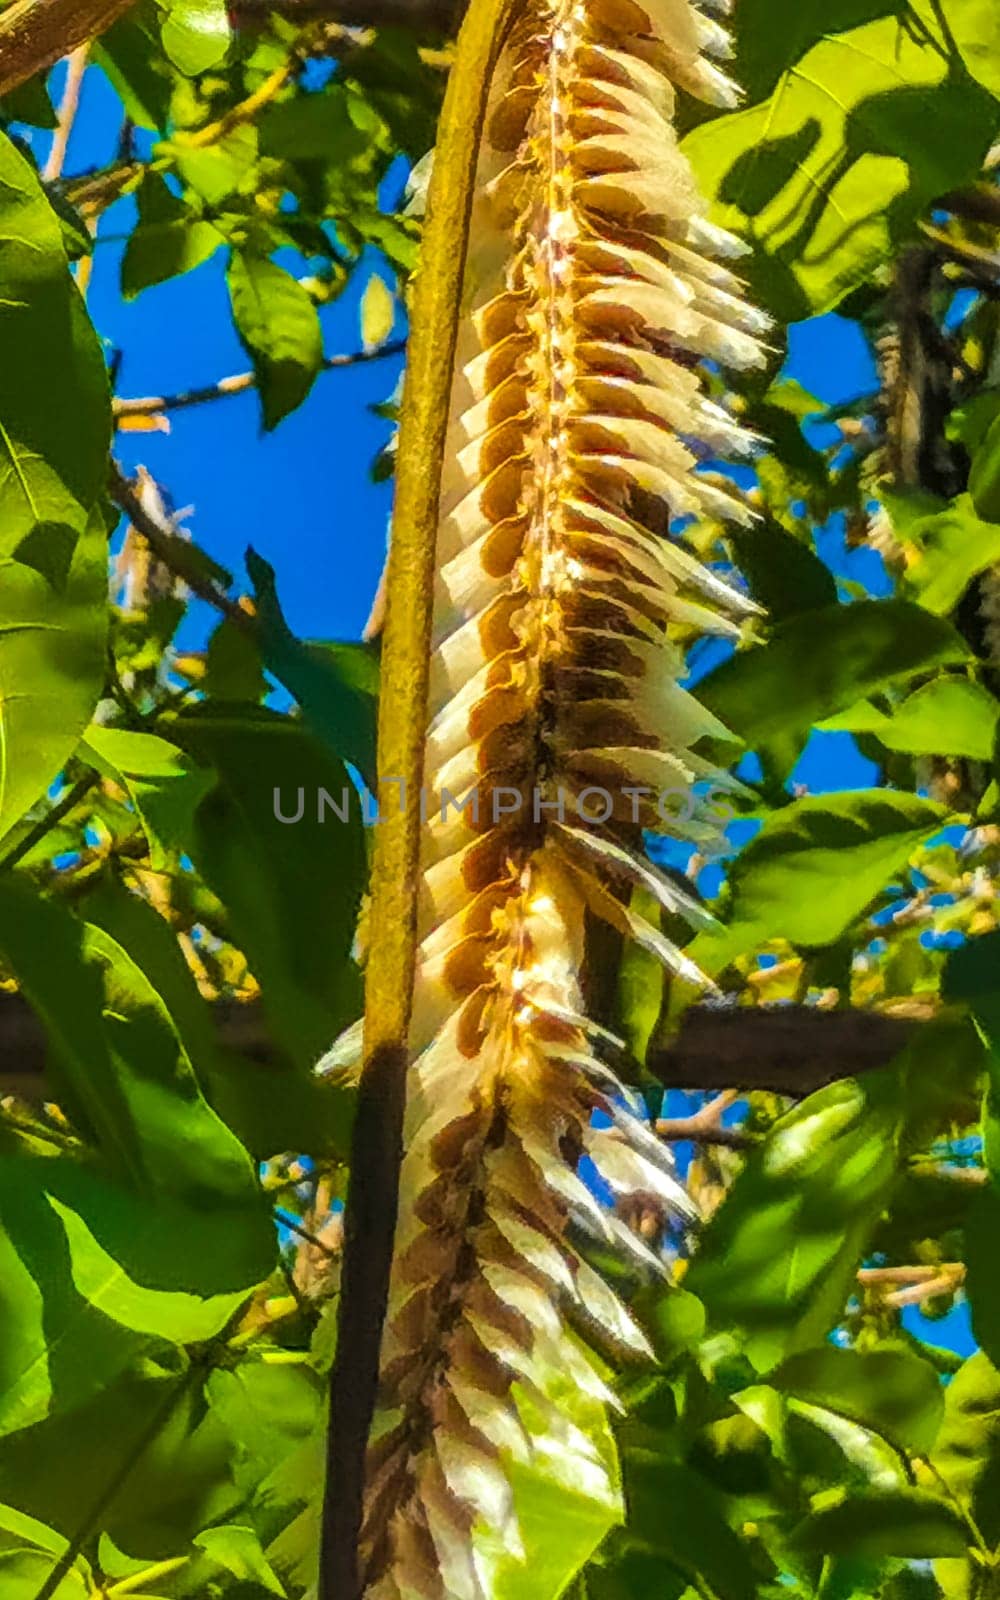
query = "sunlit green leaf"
{"x": 52, "y": 643}
{"x": 279, "y": 328}
{"x": 856, "y": 140}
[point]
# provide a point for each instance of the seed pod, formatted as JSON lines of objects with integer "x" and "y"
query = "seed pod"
{"x": 594, "y": 284}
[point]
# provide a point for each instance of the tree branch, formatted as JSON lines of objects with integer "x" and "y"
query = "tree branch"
{"x": 35, "y": 34}
{"x": 75, "y": 69}
{"x": 239, "y": 383}
{"x": 183, "y": 558}
{"x": 791, "y": 1050}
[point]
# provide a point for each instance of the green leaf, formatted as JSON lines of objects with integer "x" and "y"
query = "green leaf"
{"x": 952, "y": 548}
{"x": 195, "y": 34}
{"x": 777, "y": 1261}
{"x": 233, "y": 665}
{"x": 951, "y": 717}
{"x": 169, "y": 239}
{"x": 899, "y": 1522}
{"x": 164, "y": 785}
{"x": 91, "y": 1275}
{"x": 18, "y": 1529}
{"x": 55, "y": 422}
{"x": 889, "y": 1391}
{"x": 52, "y": 643}
{"x": 335, "y": 684}
{"x": 855, "y": 142}
{"x": 967, "y": 1451}
{"x": 817, "y": 864}
{"x": 118, "y": 1055}
{"x": 982, "y": 1230}
{"x": 237, "y": 1550}
{"x": 378, "y": 312}
{"x": 975, "y": 29}
{"x": 24, "y": 1572}
{"x": 785, "y": 576}
{"x": 291, "y": 888}
{"x": 279, "y": 328}
{"x": 130, "y": 54}
{"x": 674, "y": 1513}
{"x": 218, "y": 171}
{"x": 823, "y": 662}
{"x": 313, "y": 127}
{"x": 156, "y": 1460}
{"x": 984, "y": 479}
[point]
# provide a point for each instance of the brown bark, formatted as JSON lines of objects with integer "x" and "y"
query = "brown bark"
{"x": 35, "y": 34}
{"x": 791, "y": 1050}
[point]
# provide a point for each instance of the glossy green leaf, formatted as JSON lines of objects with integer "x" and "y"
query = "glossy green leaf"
{"x": 984, "y": 479}
{"x": 52, "y": 644}
{"x": 824, "y": 661}
{"x": 271, "y": 1105}
{"x": 856, "y": 140}
{"x": 164, "y": 785}
{"x": 674, "y": 1513}
{"x": 291, "y": 888}
{"x": 195, "y": 34}
{"x": 279, "y": 328}
{"x": 951, "y": 716}
{"x": 815, "y": 867}
{"x": 891, "y": 1392}
{"x": 54, "y": 409}
{"x": 903, "y": 1522}
{"x": 967, "y": 1451}
{"x": 778, "y": 1258}
{"x": 23, "y": 1573}
{"x": 131, "y": 56}
{"x": 335, "y": 684}
{"x": 785, "y": 576}
{"x": 157, "y": 1461}
{"x": 168, "y": 240}
{"x": 91, "y": 1275}
{"x": 952, "y": 547}
{"x": 237, "y": 1550}
{"x": 119, "y": 1058}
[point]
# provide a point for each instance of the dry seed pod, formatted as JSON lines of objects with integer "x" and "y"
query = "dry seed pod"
{"x": 593, "y": 286}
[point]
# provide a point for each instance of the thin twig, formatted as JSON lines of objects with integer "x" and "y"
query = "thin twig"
{"x": 918, "y": 1283}
{"x": 239, "y": 382}
{"x": 76, "y": 66}
{"x": 706, "y": 1126}
{"x": 178, "y": 554}
{"x": 62, "y": 808}
{"x": 294, "y": 1226}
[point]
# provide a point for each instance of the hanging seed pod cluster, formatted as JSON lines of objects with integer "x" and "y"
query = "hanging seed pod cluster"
{"x": 594, "y": 286}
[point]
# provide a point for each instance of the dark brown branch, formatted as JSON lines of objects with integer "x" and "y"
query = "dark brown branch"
{"x": 35, "y": 34}
{"x": 182, "y": 558}
{"x": 790, "y": 1050}
{"x": 239, "y": 383}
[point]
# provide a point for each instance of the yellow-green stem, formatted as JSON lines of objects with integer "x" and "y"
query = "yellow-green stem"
{"x": 377, "y": 1141}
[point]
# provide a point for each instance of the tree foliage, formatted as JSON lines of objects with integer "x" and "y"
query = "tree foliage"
{"x": 171, "y": 1184}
